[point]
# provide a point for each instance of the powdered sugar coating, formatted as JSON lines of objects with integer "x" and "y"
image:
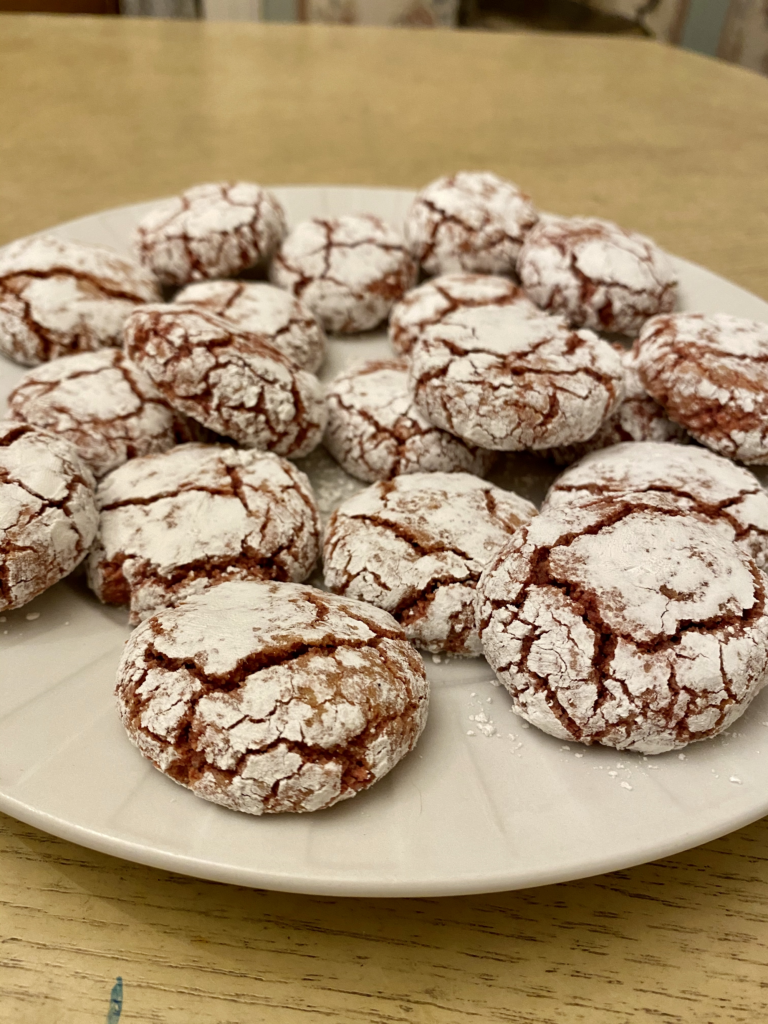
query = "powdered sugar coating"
{"x": 229, "y": 380}
{"x": 596, "y": 274}
{"x": 279, "y": 317}
{"x": 47, "y": 512}
{"x": 473, "y": 221}
{"x": 641, "y": 628}
{"x": 213, "y": 230}
{"x": 694, "y": 479}
{"x": 433, "y": 300}
{"x": 268, "y": 697}
{"x": 376, "y": 432}
{"x": 60, "y": 297}
{"x": 349, "y": 270}
{"x": 101, "y": 402}
{"x": 507, "y": 379}
{"x": 710, "y": 373}
{"x": 415, "y": 546}
{"x": 171, "y": 524}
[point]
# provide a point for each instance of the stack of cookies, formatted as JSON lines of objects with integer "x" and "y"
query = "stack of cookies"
{"x": 630, "y": 611}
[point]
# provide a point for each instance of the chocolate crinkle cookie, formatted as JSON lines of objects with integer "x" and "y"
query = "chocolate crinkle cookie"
{"x": 103, "y": 404}
{"x": 60, "y": 297}
{"x": 47, "y": 512}
{"x": 638, "y": 418}
{"x": 272, "y": 697}
{"x": 433, "y": 300}
{"x": 376, "y": 432}
{"x": 172, "y": 524}
{"x": 213, "y": 230}
{"x": 349, "y": 270}
{"x": 691, "y": 478}
{"x": 596, "y": 274}
{"x": 415, "y": 546}
{"x": 710, "y": 373}
{"x": 280, "y": 318}
{"x": 473, "y": 221}
{"x": 507, "y": 379}
{"x": 641, "y": 628}
{"x": 233, "y": 382}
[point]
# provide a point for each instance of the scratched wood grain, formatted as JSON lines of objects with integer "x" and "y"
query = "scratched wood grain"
{"x": 95, "y": 113}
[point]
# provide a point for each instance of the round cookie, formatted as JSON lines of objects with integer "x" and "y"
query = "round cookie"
{"x": 596, "y": 274}
{"x": 415, "y": 546}
{"x": 229, "y": 380}
{"x": 433, "y": 300}
{"x": 638, "y": 628}
{"x": 473, "y": 221}
{"x": 47, "y": 512}
{"x": 213, "y": 230}
{"x": 170, "y": 524}
{"x": 507, "y": 379}
{"x": 272, "y": 697}
{"x": 103, "y": 404}
{"x": 375, "y": 431}
{"x": 349, "y": 270}
{"x": 710, "y": 373}
{"x": 693, "y": 479}
{"x": 60, "y": 297}
{"x": 260, "y": 308}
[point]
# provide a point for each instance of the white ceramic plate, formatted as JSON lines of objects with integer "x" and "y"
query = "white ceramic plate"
{"x": 479, "y": 806}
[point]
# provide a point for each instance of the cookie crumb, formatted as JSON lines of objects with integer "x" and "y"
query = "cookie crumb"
{"x": 31, "y": 616}
{"x": 735, "y": 779}
{"x": 626, "y": 785}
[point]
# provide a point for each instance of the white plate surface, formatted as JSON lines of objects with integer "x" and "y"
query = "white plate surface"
{"x": 478, "y": 807}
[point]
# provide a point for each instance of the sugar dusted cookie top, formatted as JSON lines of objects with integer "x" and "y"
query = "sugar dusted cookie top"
{"x": 272, "y": 697}
{"x": 473, "y": 221}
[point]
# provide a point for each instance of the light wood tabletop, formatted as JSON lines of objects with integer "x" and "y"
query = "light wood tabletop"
{"x": 96, "y": 113}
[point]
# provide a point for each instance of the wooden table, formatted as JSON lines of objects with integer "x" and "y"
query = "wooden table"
{"x": 94, "y": 113}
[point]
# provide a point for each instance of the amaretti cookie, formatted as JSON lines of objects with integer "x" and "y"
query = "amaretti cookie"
{"x": 60, "y": 297}
{"x": 47, "y": 512}
{"x": 473, "y": 221}
{"x": 231, "y": 381}
{"x": 214, "y": 230}
{"x": 638, "y": 628}
{"x": 415, "y": 546}
{"x": 710, "y": 373}
{"x": 507, "y": 379}
{"x": 260, "y": 308}
{"x": 171, "y": 524}
{"x": 272, "y": 697}
{"x": 349, "y": 270}
{"x": 375, "y": 431}
{"x": 433, "y": 300}
{"x": 101, "y": 402}
{"x": 596, "y": 274}
{"x": 693, "y": 478}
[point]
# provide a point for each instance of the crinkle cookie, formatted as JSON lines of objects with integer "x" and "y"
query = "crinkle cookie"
{"x": 433, "y": 300}
{"x": 639, "y": 628}
{"x": 47, "y": 512}
{"x": 415, "y": 546}
{"x": 710, "y": 373}
{"x": 596, "y": 274}
{"x": 473, "y": 220}
{"x": 213, "y": 230}
{"x": 510, "y": 380}
{"x": 229, "y": 380}
{"x": 271, "y": 697}
{"x": 638, "y": 418}
{"x": 260, "y": 308}
{"x": 60, "y": 297}
{"x": 349, "y": 270}
{"x": 171, "y": 524}
{"x": 693, "y": 479}
{"x": 103, "y": 404}
{"x": 375, "y": 431}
